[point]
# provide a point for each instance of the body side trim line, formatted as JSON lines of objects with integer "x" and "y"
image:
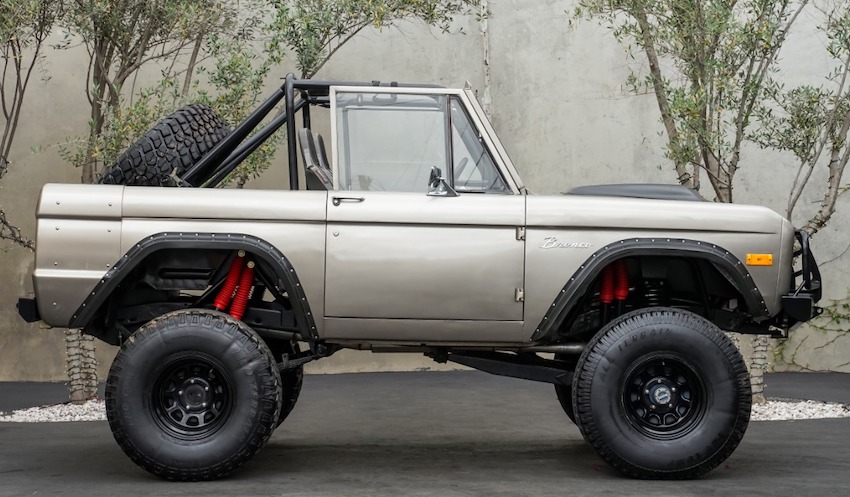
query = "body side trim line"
{"x": 581, "y": 280}
{"x": 267, "y": 253}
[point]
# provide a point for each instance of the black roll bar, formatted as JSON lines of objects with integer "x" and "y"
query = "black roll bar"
{"x": 227, "y": 154}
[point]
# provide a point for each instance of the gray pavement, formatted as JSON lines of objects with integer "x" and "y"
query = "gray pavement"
{"x": 434, "y": 434}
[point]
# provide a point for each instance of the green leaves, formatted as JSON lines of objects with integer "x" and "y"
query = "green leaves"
{"x": 27, "y": 21}
{"x": 315, "y": 29}
{"x": 709, "y": 64}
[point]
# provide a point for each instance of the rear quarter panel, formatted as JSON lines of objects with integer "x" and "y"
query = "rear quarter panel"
{"x": 84, "y": 229}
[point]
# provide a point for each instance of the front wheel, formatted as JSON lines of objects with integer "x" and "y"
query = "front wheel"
{"x": 662, "y": 394}
{"x": 192, "y": 395}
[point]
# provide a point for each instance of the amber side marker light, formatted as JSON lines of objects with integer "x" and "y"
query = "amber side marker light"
{"x": 759, "y": 259}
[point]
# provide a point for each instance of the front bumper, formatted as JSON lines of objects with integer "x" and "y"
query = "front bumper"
{"x": 798, "y": 305}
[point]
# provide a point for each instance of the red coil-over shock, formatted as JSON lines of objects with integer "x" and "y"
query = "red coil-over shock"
{"x": 224, "y": 296}
{"x": 246, "y": 284}
{"x": 606, "y": 290}
{"x": 621, "y": 287}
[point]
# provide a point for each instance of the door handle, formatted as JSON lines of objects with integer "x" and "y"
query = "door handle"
{"x": 339, "y": 200}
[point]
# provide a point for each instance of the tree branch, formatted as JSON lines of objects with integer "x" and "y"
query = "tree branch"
{"x": 13, "y": 234}
{"x": 190, "y": 67}
{"x": 797, "y": 188}
{"x": 837, "y": 164}
{"x": 646, "y": 40}
{"x": 311, "y": 73}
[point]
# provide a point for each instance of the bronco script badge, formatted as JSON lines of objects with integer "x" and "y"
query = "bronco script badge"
{"x": 552, "y": 242}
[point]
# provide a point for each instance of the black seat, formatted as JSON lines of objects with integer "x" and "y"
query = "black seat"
{"x": 321, "y": 153}
{"x": 318, "y": 177}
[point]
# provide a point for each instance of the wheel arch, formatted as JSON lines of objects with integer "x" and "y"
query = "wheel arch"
{"x": 268, "y": 257}
{"x": 582, "y": 280}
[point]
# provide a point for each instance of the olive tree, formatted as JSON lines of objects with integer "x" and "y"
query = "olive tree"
{"x": 811, "y": 122}
{"x": 24, "y": 28}
{"x": 121, "y": 37}
{"x": 234, "y": 65}
{"x": 710, "y": 64}
{"x": 315, "y": 29}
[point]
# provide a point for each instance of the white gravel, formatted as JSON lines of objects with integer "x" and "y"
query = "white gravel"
{"x": 782, "y": 410}
{"x": 92, "y": 410}
{"x": 773, "y": 410}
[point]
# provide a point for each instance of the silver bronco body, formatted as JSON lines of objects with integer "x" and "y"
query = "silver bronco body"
{"x": 416, "y": 233}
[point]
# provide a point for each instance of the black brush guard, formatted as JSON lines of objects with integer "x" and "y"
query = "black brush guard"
{"x": 798, "y": 306}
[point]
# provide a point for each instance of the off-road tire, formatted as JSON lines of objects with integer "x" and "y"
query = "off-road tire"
{"x": 171, "y": 147}
{"x": 662, "y": 393}
{"x": 290, "y": 379}
{"x": 192, "y": 395}
{"x": 565, "y": 392}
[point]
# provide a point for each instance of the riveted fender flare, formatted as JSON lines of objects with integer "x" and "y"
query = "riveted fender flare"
{"x": 580, "y": 282}
{"x": 264, "y": 251}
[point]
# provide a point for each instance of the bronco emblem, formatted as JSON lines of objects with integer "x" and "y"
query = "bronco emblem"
{"x": 552, "y": 242}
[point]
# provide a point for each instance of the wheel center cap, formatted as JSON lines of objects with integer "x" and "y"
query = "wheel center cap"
{"x": 195, "y": 394}
{"x": 661, "y": 394}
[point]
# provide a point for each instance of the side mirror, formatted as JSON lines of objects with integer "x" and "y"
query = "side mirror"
{"x": 438, "y": 186}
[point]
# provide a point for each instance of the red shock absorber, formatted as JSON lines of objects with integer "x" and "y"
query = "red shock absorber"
{"x": 621, "y": 291}
{"x": 246, "y": 284}
{"x": 606, "y": 289}
{"x": 222, "y": 300}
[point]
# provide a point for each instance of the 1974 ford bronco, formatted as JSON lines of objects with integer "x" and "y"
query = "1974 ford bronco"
{"x": 414, "y": 234}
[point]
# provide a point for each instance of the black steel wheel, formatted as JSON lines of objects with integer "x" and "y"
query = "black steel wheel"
{"x": 664, "y": 397}
{"x": 193, "y": 395}
{"x": 172, "y": 146}
{"x": 662, "y": 393}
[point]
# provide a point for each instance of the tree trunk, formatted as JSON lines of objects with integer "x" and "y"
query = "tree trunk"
{"x": 81, "y": 366}
{"x": 758, "y": 366}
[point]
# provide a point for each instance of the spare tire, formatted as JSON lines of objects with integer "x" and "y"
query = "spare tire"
{"x": 171, "y": 147}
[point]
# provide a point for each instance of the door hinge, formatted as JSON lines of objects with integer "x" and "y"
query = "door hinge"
{"x": 520, "y": 233}
{"x": 519, "y": 294}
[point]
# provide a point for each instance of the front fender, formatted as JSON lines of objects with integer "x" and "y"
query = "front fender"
{"x": 580, "y": 282}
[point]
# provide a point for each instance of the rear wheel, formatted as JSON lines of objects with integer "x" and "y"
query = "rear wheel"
{"x": 662, "y": 394}
{"x": 193, "y": 395}
{"x": 170, "y": 148}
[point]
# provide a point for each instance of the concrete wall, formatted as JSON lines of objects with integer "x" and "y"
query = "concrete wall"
{"x": 557, "y": 101}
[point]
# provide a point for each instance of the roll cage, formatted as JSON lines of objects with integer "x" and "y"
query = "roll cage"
{"x": 298, "y": 96}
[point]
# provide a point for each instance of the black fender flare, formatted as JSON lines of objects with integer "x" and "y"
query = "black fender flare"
{"x": 580, "y": 281}
{"x": 265, "y": 252}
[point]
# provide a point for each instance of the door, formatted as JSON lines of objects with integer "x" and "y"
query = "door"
{"x": 393, "y": 251}
{"x": 410, "y": 256}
